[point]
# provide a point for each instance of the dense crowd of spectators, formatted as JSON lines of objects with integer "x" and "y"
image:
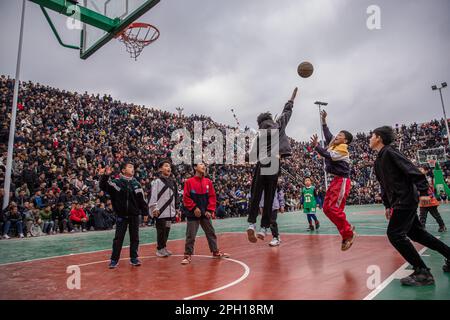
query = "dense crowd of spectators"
{"x": 62, "y": 138}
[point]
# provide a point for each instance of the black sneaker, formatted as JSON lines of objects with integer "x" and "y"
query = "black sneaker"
{"x": 113, "y": 264}
{"x": 442, "y": 229}
{"x": 135, "y": 262}
{"x": 420, "y": 277}
{"x": 446, "y": 266}
{"x": 310, "y": 228}
{"x": 317, "y": 225}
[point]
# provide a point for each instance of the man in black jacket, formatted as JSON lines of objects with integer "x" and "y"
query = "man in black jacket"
{"x": 401, "y": 183}
{"x": 263, "y": 179}
{"x": 129, "y": 203}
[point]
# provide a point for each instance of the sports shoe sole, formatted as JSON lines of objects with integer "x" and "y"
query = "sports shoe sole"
{"x": 111, "y": 267}
{"x": 251, "y": 235}
{"x": 349, "y": 245}
{"x": 185, "y": 262}
{"x": 274, "y": 245}
{"x": 162, "y": 255}
{"x": 135, "y": 264}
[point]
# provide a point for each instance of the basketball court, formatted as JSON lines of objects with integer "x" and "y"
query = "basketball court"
{"x": 307, "y": 265}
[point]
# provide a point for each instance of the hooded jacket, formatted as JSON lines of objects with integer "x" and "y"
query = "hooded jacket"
{"x": 337, "y": 158}
{"x": 283, "y": 144}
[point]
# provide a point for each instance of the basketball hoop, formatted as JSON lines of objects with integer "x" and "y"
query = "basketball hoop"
{"x": 136, "y": 37}
{"x": 432, "y": 163}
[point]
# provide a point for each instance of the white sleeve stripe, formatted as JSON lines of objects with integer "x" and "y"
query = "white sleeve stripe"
{"x": 114, "y": 185}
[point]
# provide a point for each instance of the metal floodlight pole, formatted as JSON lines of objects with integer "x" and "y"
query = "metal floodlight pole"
{"x": 320, "y": 104}
{"x": 434, "y": 87}
{"x": 12, "y": 126}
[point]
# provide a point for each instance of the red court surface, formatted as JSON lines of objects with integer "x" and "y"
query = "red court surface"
{"x": 303, "y": 267}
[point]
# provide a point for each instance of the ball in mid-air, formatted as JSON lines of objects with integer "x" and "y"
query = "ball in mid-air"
{"x": 305, "y": 69}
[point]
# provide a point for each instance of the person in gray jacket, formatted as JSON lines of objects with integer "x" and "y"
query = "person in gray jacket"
{"x": 163, "y": 205}
{"x": 268, "y": 150}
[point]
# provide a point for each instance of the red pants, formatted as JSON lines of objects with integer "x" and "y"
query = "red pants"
{"x": 334, "y": 205}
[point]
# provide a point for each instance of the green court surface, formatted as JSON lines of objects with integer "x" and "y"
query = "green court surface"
{"x": 369, "y": 221}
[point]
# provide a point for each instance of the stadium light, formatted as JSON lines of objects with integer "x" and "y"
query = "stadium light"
{"x": 320, "y": 104}
{"x": 434, "y": 87}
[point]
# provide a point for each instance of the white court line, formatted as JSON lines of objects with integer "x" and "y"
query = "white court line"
{"x": 242, "y": 278}
{"x": 146, "y": 244}
{"x": 389, "y": 279}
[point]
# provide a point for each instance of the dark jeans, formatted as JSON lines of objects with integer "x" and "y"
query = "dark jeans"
{"x": 60, "y": 224}
{"x": 260, "y": 183}
{"x": 434, "y": 213}
{"x": 274, "y": 224}
{"x": 311, "y": 217}
{"x": 17, "y": 223}
{"x": 122, "y": 223}
{"x": 405, "y": 225}
{"x": 162, "y": 232}
{"x": 191, "y": 233}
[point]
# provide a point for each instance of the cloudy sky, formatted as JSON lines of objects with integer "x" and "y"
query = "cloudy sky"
{"x": 215, "y": 55}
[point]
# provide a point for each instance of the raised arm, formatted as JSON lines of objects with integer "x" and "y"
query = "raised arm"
{"x": 287, "y": 111}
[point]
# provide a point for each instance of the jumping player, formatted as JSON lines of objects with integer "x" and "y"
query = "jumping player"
{"x": 199, "y": 200}
{"x": 337, "y": 161}
{"x": 430, "y": 206}
{"x": 309, "y": 203}
{"x": 401, "y": 183}
{"x": 262, "y": 181}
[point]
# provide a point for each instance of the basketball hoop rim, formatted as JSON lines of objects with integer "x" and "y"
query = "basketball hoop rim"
{"x": 138, "y": 25}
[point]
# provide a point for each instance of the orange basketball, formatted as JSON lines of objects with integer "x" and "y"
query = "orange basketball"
{"x": 305, "y": 69}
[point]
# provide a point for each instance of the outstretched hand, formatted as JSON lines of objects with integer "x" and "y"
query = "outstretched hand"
{"x": 323, "y": 116}
{"x": 103, "y": 171}
{"x": 314, "y": 140}
{"x": 294, "y": 94}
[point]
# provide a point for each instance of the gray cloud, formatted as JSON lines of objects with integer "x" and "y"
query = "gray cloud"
{"x": 213, "y": 55}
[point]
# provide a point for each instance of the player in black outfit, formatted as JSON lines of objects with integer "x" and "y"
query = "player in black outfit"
{"x": 401, "y": 183}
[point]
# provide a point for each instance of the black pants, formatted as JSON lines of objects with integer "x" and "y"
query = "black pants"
{"x": 405, "y": 224}
{"x": 162, "y": 232}
{"x": 122, "y": 224}
{"x": 260, "y": 183}
{"x": 274, "y": 224}
{"x": 434, "y": 213}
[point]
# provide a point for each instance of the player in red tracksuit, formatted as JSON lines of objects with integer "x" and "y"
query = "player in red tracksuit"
{"x": 337, "y": 164}
{"x": 199, "y": 201}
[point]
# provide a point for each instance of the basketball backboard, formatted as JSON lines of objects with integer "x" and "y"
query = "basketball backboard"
{"x": 127, "y": 11}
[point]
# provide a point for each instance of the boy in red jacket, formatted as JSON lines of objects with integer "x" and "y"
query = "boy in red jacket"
{"x": 199, "y": 200}
{"x": 78, "y": 216}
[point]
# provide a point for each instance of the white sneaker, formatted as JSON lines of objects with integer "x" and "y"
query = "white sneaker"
{"x": 262, "y": 233}
{"x": 251, "y": 230}
{"x": 275, "y": 242}
{"x": 21, "y": 236}
{"x": 169, "y": 253}
{"x": 6, "y": 237}
{"x": 84, "y": 230}
{"x": 161, "y": 253}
